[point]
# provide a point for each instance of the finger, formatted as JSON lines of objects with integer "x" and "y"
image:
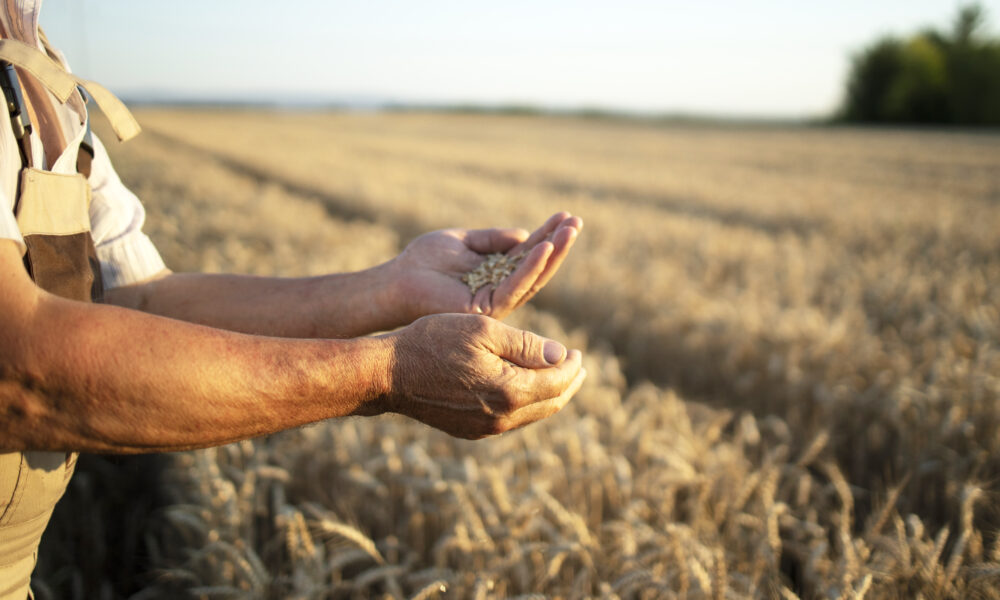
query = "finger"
{"x": 574, "y": 222}
{"x": 524, "y": 348}
{"x": 510, "y": 291}
{"x": 488, "y": 241}
{"x": 540, "y": 234}
{"x": 537, "y": 385}
{"x": 546, "y": 408}
{"x": 562, "y": 241}
{"x": 481, "y": 301}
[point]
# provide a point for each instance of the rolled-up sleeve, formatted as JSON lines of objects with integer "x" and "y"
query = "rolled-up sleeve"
{"x": 127, "y": 255}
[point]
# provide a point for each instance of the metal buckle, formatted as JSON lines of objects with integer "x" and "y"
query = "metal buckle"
{"x": 19, "y": 121}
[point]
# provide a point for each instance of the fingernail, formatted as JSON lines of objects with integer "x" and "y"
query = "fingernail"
{"x": 553, "y": 352}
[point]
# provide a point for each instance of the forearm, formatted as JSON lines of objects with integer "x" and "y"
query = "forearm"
{"x": 105, "y": 379}
{"x": 332, "y": 306}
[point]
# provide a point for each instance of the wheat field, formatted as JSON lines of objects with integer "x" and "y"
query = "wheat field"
{"x": 791, "y": 334}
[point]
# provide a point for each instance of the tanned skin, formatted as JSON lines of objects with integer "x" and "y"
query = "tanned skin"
{"x": 188, "y": 361}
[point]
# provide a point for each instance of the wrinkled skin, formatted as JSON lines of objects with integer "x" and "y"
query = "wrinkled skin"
{"x": 471, "y": 376}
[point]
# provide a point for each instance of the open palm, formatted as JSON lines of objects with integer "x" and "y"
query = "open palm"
{"x": 431, "y": 267}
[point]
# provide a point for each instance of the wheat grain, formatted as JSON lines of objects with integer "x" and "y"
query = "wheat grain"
{"x": 493, "y": 270}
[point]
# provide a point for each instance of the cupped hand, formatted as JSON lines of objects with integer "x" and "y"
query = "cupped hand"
{"x": 471, "y": 376}
{"x": 431, "y": 267}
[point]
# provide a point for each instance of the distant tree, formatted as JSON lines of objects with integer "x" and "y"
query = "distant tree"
{"x": 871, "y": 79}
{"x": 974, "y": 70}
{"x": 919, "y": 92}
{"x": 931, "y": 77}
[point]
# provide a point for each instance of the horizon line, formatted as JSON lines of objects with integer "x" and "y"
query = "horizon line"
{"x": 377, "y": 103}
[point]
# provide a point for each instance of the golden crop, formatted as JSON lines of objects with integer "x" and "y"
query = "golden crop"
{"x": 792, "y": 335}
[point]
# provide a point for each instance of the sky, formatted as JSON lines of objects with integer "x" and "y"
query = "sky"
{"x": 763, "y": 58}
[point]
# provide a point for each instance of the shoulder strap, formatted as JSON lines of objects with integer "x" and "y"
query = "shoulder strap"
{"x": 121, "y": 119}
{"x": 61, "y": 83}
{"x": 43, "y": 68}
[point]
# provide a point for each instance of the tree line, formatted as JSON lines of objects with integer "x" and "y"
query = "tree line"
{"x": 933, "y": 77}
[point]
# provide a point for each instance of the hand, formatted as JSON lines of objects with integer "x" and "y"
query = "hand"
{"x": 471, "y": 376}
{"x": 430, "y": 268}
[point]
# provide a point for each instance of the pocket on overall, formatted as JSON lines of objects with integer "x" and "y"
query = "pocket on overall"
{"x": 13, "y": 472}
{"x": 53, "y": 216}
{"x": 32, "y": 483}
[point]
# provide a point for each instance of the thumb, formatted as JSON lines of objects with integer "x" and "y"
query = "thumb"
{"x": 526, "y": 349}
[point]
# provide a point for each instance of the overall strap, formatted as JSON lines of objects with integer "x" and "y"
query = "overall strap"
{"x": 122, "y": 121}
{"x": 61, "y": 83}
{"x": 41, "y": 67}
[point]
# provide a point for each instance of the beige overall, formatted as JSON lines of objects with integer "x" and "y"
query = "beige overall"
{"x": 52, "y": 213}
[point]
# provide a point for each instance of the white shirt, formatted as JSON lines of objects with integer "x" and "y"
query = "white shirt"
{"x": 127, "y": 255}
